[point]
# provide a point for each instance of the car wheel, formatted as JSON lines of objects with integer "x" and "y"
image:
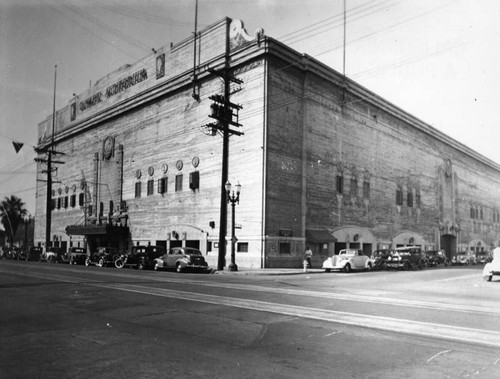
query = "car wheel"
{"x": 140, "y": 265}
{"x": 421, "y": 265}
{"x": 327, "y": 270}
{"x": 70, "y": 261}
{"x": 488, "y": 278}
{"x": 101, "y": 262}
{"x": 119, "y": 263}
{"x": 406, "y": 266}
{"x": 347, "y": 268}
{"x": 369, "y": 266}
{"x": 156, "y": 266}
{"x": 87, "y": 262}
{"x": 178, "y": 267}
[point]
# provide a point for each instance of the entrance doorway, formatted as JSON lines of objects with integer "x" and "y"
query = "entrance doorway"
{"x": 449, "y": 245}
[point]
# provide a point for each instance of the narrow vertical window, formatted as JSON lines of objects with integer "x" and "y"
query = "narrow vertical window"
{"x": 178, "y": 183}
{"x": 137, "y": 190}
{"x": 399, "y": 196}
{"x": 366, "y": 190}
{"x": 340, "y": 184}
{"x": 409, "y": 199}
{"x": 150, "y": 189}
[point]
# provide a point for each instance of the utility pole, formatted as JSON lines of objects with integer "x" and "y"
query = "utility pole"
{"x": 226, "y": 113}
{"x": 50, "y": 151}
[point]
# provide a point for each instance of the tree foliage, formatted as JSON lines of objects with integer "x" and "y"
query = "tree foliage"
{"x": 12, "y": 212}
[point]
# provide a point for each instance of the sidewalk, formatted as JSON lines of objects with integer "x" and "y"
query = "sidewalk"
{"x": 270, "y": 271}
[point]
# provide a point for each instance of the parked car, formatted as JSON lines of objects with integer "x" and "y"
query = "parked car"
{"x": 21, "y": 254}
{"x": 13, "y": 253}
{"x": 76, "y": 255}
{"x": 436, "y": 258}
{"x": 34, "y": 253}
{"x": 407, "y": 258}
{"x": 379, "y": 259}
{"x": 493, "y": 267}
{"x": 181, "y": 259}
{"x": 103, "y": 256}
{"x": 347, "y": 260}
{"x": 463, "y": 258}
{"x": 140, "y": 257}
{"x": 53, "y": 255}
{"x": 483, "y": 257}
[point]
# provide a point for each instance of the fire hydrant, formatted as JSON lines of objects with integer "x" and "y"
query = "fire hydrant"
{"x": 305, "y": 264}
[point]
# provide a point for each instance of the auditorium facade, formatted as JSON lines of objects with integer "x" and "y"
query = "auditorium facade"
{"x": 322, "y": 161}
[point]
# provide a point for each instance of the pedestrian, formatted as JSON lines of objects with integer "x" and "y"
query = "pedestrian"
{"x": 308, "y": 255}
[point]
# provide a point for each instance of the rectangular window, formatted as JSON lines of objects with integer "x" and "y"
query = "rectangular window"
{"x": 354, "y": 187}
{"x": 366, "y": 190}
{"x": 399, "y": 196}
{"x": 137, "y": 190}
{"x": 285, "y": 248}
{"x": 178, "y": 183}
{"x": 162, "y": 185}
{"x": 72, "y": 201}
{"x": 81, "y": 199}
{"x": 194, "y": 180}
{"x": 340, "y": 184}
{"x": 66, "y": 202}
{"x": 151, "y": 186}
{"x": 242, "y": 247}
{"x": 59, "y": 201}
{"x": 409, "y": 200}
{"x": 418, "y": 200}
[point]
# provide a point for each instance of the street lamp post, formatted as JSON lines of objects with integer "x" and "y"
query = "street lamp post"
{"x": 233, "y": 199}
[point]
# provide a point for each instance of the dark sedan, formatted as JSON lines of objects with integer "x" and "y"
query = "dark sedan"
{"x": 140, "y": 257}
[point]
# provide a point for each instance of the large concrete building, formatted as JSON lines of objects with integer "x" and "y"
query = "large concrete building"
{"x": 322, "y": 161}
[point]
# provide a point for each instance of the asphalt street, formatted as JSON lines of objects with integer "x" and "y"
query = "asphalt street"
{"x": 61, "y": 321}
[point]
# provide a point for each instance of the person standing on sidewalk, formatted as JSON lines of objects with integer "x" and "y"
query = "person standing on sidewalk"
{"x": 308, "y": 255}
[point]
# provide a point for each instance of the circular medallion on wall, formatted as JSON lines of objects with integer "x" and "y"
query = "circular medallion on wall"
{"x": 195, "y": 161}
{"x": 164, "y": 168}
{"x": 151, "y": 170}
{"x": 66, "y": 189}
{"x": 179, "y": 165}
{"x": 59, "y": 191}
{"x": 73, "y": 187}
{"x": 107, "y": 147}
{"x": 138, "y": 174}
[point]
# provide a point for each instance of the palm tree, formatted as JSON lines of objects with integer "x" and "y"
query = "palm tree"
{"x": 12, "y": 212}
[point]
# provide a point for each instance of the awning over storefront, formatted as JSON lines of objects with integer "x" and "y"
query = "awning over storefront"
{"x": 319, "y": 236}
{"x": 88, "y": 230}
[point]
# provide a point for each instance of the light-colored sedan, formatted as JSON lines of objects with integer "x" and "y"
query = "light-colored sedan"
{"x": 492, "y": 268}
{"x": 181, "y": 259}
{"x": 347, "y": 260}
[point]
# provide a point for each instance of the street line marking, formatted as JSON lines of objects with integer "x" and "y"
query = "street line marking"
{"x": 432, "y": 330}
{"x": 462, "y": 308}
{"x": 437, "y": 355}
{"x": 440, "y": 331}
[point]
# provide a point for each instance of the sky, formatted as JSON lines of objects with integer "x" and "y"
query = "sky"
{"x": 435, "y": 59}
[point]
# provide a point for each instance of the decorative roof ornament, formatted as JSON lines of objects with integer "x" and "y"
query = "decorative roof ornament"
{"x": 238, "y": 35}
